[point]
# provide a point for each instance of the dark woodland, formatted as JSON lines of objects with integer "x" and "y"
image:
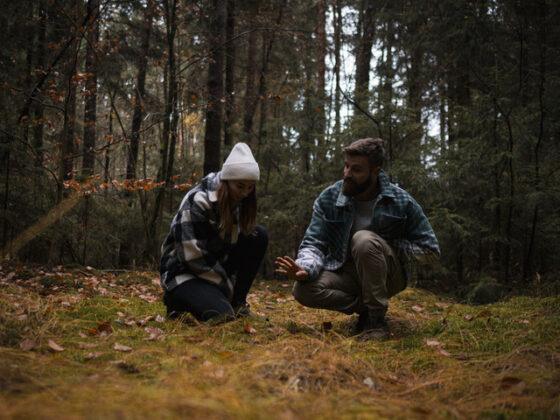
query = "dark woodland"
{"x": 111, "y": 110}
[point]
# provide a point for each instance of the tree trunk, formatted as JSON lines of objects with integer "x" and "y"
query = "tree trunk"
{"x": 386, "y": 102}
{"x": 528, "y": 266}
{"x": 106, "y": 166}
{"x": 139, "y": 92}
{"x": 366, "y": 34}
{"x": 66, "y": 168}
{"x": 337, "y": 21}
{"x": 250, "y": 72}
{"x": 90, "y": 106}
{"x": 230, "y": 73}
{"x": 212, "y": 137}
{"x": 169, "y": 137}
{"x": 321, "y": 55}
{"x": 38, "y": 126}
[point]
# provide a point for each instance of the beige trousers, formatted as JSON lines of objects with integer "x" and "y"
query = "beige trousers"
{"x": 365, "y": 282}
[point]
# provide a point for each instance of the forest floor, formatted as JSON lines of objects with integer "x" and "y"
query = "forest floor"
{"x": 87, "y": 343}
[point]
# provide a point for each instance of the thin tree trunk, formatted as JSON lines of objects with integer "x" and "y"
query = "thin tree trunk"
{"x": 250, "y": 72}
{"x": 414, "y": 102}
{"x": 107, "y": 164}
{"x": 38, "y": 127}
{"x": 337, "y": 21}
{"x": 230, "y": 73}
{"x": 140, "y": 92}
{"x": 366, "y": 34}
{"x": 66, "y": 167}
{"x": 528, "y": 266}
{"x": 169, "y": 137}
{"x": 212, "y": 137}
{"x": 251, "y": 100}
{"x": 321, "y": 50}
{"x": 90, "y": 106}
{"x": 387, "y": 88}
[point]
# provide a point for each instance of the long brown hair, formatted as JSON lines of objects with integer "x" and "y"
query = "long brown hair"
{"x": 247, "y": 210}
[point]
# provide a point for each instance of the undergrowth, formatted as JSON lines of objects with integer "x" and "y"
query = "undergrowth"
{"x": 87, "y": 343}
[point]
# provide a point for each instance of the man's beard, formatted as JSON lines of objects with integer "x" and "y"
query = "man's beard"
{"x": 351, "y": 188}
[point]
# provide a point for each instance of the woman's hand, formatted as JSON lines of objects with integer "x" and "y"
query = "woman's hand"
{"x": 286, "y": 265}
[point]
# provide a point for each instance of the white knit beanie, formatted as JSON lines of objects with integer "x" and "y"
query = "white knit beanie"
{"x": 240, "y": 164}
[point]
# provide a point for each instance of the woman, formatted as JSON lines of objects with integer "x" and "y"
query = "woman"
{"x": 213, "y": 250}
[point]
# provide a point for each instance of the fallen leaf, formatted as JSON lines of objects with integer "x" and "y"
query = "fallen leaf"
{"x": 444, "y": 352}
{"x": 217, "y": 373}
{"x": 468, "y": 317}
{"x": 27, "y": 344}
{"x": 275, "y": 330}
{"x": 54, "y": 346}
{"x": 103, "y": 328}
{"x": 145, "y": 320}
{"x": 154, "y": 332}
{"x": 248, "y": 328}
{"x": 512, "y": 383}
{"x": 225, "y": 354}
{"x": 369, "y": 383}
{"x": 433, "y": 343}
{"x": 442, "y": 305}
{"x": 159, "y": 318}
{"x": 92, "y": 355}
{"x": 84, "y": 346}
{"x": 417, "y": 308}
{"x": 121, "y": 347}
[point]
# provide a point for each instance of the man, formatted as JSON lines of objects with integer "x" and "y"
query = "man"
{"x": 364, "y": 234}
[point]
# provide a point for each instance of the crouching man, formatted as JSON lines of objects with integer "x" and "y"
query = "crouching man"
{"x": 363, "y": 237}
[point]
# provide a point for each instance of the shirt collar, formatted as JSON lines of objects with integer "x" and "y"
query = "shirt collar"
{"x": 212, "y": 184}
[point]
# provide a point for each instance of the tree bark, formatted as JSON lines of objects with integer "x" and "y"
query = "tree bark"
{"x": 366, "y": 34}
{"x": 337, "y": 21}
{"x": 38, "y": 127}
{"x": 321, "y": 56}
{"x": 250, "y": 72}
{"x": 90, "y": 106}
{"x": 212, "y": 137}
{"x": 139, "y": 92}
{"x": 230, "y": 73}
{"x": 66, "y": 167}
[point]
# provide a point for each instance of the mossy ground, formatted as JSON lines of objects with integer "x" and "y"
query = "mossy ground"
{"x": 444, "y": 359}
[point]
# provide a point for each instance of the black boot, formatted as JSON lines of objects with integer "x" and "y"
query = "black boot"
{"x": 374, "y": 327}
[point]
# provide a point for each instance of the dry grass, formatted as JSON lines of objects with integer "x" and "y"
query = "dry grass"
{"x": 444, "y": 360}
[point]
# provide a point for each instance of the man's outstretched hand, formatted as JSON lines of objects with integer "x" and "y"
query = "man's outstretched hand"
{"x": 286, "y": 265}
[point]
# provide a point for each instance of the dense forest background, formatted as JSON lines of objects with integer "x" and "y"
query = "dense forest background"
{"x": 110, "y": 110}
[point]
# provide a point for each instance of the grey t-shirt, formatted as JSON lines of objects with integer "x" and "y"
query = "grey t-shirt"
{"x": 363, "y": 215}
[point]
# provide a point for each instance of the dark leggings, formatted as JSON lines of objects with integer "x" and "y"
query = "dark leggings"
{"x": 205, "y": 300}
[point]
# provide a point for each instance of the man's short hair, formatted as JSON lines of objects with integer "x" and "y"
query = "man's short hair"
{"x": 373, "y": 149}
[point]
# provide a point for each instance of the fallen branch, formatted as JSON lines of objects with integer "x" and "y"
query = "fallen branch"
{"x": 12, "y": 248}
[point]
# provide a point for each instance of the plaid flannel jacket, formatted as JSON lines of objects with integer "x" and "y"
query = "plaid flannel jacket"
{"x": 194, "y": 246}
{"x": 396, "y": 217}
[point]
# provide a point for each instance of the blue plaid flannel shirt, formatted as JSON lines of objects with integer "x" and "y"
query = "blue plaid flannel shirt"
{"x": 397, "y": 218}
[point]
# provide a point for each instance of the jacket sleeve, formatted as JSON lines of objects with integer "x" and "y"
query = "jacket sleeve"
{"x": 421, "y": 244}
{"x": 313, "y": 248}
{"x": 197, "y": 241}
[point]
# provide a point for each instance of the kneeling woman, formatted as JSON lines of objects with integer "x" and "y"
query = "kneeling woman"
{"x": 213, "y": 250}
